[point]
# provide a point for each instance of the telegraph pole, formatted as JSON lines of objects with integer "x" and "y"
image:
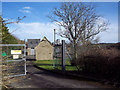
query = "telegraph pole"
{"x": 54, "y": 36}
{"x": 54, "y": 48}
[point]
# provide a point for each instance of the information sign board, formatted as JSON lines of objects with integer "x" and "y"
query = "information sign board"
{"x": 16, "y": 52}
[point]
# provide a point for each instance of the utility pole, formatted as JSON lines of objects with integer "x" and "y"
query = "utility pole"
{"x": 54, "y": 48}
{"x": 54, "y": 36}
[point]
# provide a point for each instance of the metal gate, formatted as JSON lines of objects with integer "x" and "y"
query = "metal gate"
{"x": 57, "y": 63}
{"x": 59, "y": 56}
{"x": 14, "y": 59}
{"x": 62, "y": 57}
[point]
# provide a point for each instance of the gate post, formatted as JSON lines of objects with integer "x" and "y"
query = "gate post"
{"x": 25, "y": 58}
{"x": 63, "y": 55}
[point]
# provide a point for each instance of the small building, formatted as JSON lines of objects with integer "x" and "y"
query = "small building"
{"x": 44, "y": 50}
{"x": 31, "y": 44}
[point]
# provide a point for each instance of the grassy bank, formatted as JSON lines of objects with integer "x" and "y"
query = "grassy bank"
{"x": 48, "y": 64}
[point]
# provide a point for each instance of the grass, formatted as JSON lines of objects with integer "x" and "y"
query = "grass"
{"x": 48, "y": 64}
{"x": 44, "y": 62}
{"x": 47, "y": 67}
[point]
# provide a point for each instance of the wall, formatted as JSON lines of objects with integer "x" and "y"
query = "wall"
{"x": 44, "y": 51}
{"x": 28, "y": 51}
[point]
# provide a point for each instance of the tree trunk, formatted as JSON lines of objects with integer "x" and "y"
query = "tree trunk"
{"x": 74, "y": 53}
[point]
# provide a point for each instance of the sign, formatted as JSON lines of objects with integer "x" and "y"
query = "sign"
{"x": 4, "y": 54}
{"x": 15, "y": 56}
{"x": 16, "y": 52}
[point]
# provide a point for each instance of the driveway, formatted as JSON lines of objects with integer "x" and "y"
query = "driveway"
{"x": 42, "y": 79}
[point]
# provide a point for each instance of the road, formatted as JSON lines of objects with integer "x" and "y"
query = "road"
{"x": 42, "y": 79}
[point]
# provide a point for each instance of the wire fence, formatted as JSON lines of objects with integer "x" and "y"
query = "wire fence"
{"x": 63, "y": 55}
{"x": 58, "y": 56}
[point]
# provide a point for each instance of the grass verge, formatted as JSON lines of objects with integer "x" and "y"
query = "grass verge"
{"x": 48, "y": 64}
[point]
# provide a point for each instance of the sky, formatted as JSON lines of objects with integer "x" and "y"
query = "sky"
{"x": 36, "y": 25}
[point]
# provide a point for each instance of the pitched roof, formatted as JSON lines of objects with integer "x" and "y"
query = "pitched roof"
{"x": 44, "y": 38}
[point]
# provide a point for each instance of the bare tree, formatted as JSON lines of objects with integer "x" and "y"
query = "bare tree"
{"x": 79, "y": 23}
{"x": 11, "y": 21}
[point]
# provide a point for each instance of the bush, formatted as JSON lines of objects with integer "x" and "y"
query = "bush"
{"x": 104, "y": 62}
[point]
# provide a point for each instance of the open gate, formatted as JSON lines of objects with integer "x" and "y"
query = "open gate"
{"x": 14, "y": 59}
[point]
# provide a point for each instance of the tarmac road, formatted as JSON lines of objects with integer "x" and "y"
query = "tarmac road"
{"x": 42, "y": 79}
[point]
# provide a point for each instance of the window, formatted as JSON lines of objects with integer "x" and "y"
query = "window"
{"x": 32, "y": 47}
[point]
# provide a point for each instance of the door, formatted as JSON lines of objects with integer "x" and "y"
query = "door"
{"x": 32, "y": 51}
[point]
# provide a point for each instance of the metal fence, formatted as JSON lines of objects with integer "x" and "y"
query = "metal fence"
{"x": 57, "y": 60}
{"x": 62, "y": 57}
{"x": 14, "y": 59}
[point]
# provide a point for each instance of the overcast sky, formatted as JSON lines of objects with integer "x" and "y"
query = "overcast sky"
{"x": 36, "y": 25}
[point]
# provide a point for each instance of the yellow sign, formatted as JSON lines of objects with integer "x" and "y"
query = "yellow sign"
{"x": 16, "y": 52}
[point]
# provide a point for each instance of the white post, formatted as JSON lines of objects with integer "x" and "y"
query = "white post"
{"x": 25, "y": 57}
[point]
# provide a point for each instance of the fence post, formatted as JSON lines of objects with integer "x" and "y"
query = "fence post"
{"x": 63, "y": 55}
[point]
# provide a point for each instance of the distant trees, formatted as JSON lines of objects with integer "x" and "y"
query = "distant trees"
{"x": 79, "y": 23}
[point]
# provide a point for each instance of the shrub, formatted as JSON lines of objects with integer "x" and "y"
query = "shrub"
{"x": 105, "y": 62}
